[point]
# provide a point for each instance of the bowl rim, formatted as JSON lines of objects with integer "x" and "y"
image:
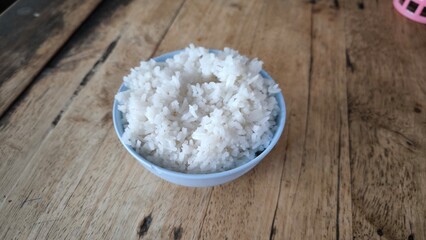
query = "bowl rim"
{"x": 117, "y": 117}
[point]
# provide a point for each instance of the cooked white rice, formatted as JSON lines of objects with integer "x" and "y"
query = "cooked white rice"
{"x": 199, "y": 112}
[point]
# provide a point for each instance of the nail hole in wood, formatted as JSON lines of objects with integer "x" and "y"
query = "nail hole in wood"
{"x": 236, "y": 6}
{"x": 380, "y": 232}
{"x": 412, "y": 6}
{"x": 144, "y": 225}
{"x": 416, "y": 109}
{"x": 177, "y": 233}
{"x": 361, "y": 5}
{"x": 411, "y": 237}
{"x": 386, "y": 152}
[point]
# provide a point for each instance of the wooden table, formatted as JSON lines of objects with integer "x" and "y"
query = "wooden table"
{"x": 351, "y": 163}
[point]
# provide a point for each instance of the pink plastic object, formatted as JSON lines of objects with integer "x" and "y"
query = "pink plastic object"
{"x": 412, "y": 9}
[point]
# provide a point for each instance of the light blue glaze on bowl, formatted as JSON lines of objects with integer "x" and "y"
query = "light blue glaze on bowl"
{"x": 205, "y": 179}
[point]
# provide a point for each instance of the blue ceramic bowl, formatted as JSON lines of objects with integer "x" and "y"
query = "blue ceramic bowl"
{"x": 204, "y": 179}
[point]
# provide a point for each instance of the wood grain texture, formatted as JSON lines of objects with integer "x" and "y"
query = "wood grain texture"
{"x": 243, "y": 209}
{"x": 314, "y": 199}
{"x": 30, "y": 34}
{"x": 350, "y": 165}
{"x": 24, "y": 128}
{"x": 386, "y": 90}
{"x": 64, "y": 168}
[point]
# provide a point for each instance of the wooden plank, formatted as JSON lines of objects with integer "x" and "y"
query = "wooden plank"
{"x": 56, "y": 169}
{"x": 144, "y": 206}
{"x": 387, "y": 96}
{"x": 30, "y": 34}
{"x": 200, "y": 21}
{"x": 315, "y": 195}
{"x": 24, "y": 128}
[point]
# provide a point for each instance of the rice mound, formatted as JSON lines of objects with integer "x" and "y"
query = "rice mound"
{"x": 199, "y": 112}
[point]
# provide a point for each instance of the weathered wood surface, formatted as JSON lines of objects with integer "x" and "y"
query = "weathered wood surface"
{"x": 31, "y": 31}
{"x": 387, "y": 116}
{"x": 351, "y": 163}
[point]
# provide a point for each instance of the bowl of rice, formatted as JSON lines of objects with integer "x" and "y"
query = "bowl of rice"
{"x": 199, "y": 117}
